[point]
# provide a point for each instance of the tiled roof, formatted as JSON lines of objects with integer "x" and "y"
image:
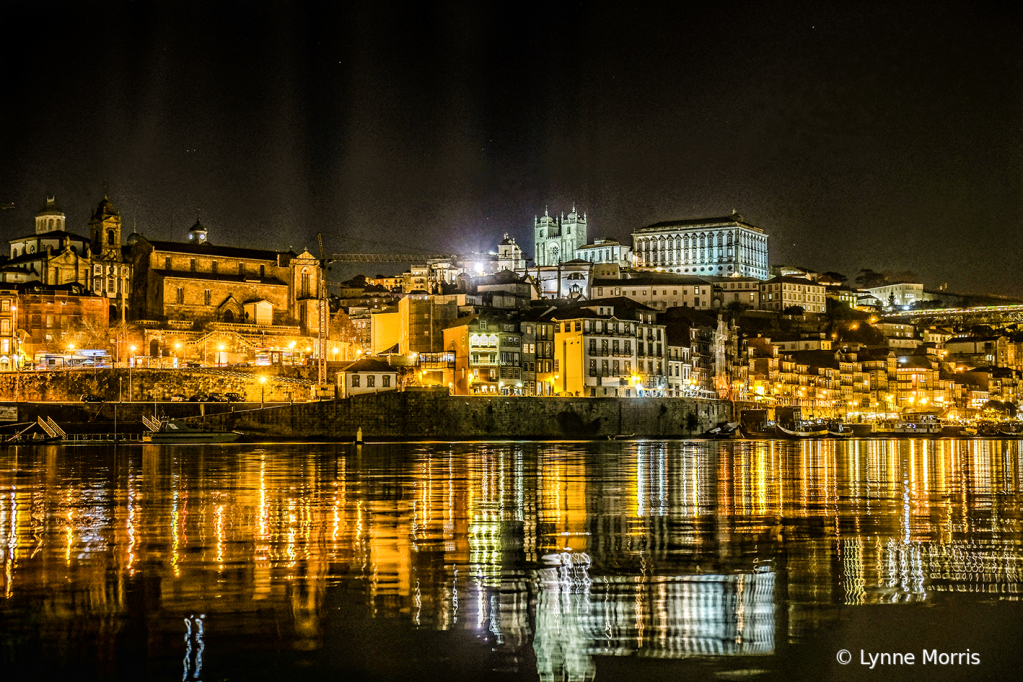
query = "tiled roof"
{"x": 698, "y": 222}
{"x": 207, "y": 249}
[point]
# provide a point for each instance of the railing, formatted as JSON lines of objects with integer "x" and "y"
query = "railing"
{"x": 86, "y": 438}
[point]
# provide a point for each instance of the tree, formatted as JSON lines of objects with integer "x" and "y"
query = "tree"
{"x": 835, "y": 277}
{"x": 868, "y": 279}
{"x": 794, "y": 310}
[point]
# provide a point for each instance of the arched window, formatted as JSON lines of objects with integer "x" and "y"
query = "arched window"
{"x": 305, "y": 282}
{"x": 110, "y": 238}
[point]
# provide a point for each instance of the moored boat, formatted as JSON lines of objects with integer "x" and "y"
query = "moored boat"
{"x": 801, "y": 432}
{"x": 918, "y": 425}
{"x": 174, "y": 432}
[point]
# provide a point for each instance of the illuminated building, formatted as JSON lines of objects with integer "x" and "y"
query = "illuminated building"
{"x": 702, "y": 247}
{"x": 781, "y": 293}
{"x": 53, "y": 256}
{"x": 557, "y": 239}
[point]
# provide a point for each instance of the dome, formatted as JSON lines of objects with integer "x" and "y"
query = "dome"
{"x": 132, "y": 238}
{"x": 50, "y": 208}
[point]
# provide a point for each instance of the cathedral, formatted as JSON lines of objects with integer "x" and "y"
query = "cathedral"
{"x": 558, "y": 239}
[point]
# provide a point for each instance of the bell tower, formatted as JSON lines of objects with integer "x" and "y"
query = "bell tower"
{"x": 105, "y": 230}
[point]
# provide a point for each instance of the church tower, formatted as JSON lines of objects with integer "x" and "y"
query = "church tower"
{"x": 105, "y": 230}
{"x": 574, "y": 228}
{"x": 198, "y": 234}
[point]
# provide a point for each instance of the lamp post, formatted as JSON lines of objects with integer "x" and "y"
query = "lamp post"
{"x": 131, "y": 363}
{"x": 262, "y": 390}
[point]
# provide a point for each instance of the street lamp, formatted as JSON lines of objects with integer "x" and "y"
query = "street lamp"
{"x": 177, "y": 353}
{"x": 262, "y": 390}
{"x": 131, "y": 363}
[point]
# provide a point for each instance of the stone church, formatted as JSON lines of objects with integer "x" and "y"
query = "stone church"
{"x": 558, "y": 238}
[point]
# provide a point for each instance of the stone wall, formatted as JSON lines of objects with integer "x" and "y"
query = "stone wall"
{"x": 145, "y": 385}
{"x": 429, "y": 415}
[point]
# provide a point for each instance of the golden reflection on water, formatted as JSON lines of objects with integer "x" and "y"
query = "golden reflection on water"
{"x": 669, "y": 549}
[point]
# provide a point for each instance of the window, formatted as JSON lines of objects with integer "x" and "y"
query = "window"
{"x": 262, "y": 271}
{"x": 241, "y": 268}
{"x": 191, "y": 264}
{"x": 5, "y": 306}
{"x": 387, "y": 381}
{"x": 5, "y": 326}
{"x": 355, "y": 381}
{"x": 206, "y": 296}
{"x": 181, "y": 295}
{"x": 213, "y": 267}
{"x": 371, "y": 381}
{"x": 5, "y": 345}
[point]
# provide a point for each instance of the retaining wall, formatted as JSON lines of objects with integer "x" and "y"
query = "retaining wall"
{"x": 433, "y": 415}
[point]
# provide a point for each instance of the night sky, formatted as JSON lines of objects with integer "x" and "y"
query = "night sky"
{"x": 860, "y": 135}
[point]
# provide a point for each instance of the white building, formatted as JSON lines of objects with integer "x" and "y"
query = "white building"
{"x": 901, "y": 293}
{"x": 606, "y": 251}
{"x": 703, "y": 247}
{"x": 366, "y": 376}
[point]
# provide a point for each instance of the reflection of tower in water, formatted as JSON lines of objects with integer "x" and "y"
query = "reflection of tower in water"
{"x": 195, "y": 645}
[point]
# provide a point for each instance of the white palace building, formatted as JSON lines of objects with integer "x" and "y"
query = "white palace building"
{"x": 719, "y": 247}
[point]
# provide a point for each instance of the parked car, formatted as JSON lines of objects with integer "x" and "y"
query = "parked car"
{"x": 199, "y": 398}
{"x": 91, "y": 398}
{"x": 177, "y": 398}
{"x": 234, "y": 397}
{"x": 217, "y": 398}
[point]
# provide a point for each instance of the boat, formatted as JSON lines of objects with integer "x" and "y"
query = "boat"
{"x": 726, "y": 430}
{"x": 800, "y": 431}
{"x": 840, "y": 431}
{"x": 175, "y": 432}
{"x": 755, "y": 425}
{"x": 919, "y": 425}
{"x": 795, "y": 427}
{"x": 1011, "y": 430}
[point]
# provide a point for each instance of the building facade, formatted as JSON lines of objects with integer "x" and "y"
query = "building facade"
{"x": 52, "y": 255}
{"x": 558, "y": 239}
{"x": 196, "y": 281}
{"x": 703, "y": 246}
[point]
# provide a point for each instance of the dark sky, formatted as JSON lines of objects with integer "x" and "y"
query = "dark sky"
{"x": 858, "y": 135}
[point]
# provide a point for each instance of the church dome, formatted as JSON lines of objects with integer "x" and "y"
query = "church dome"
{"x": 50, "y": 208}
{"x": 132, "y": 238}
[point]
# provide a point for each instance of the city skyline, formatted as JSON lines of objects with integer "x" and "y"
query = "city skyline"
{"x": 869, "y": 137}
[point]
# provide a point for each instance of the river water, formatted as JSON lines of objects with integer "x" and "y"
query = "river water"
{"x": 521, "y": 561}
